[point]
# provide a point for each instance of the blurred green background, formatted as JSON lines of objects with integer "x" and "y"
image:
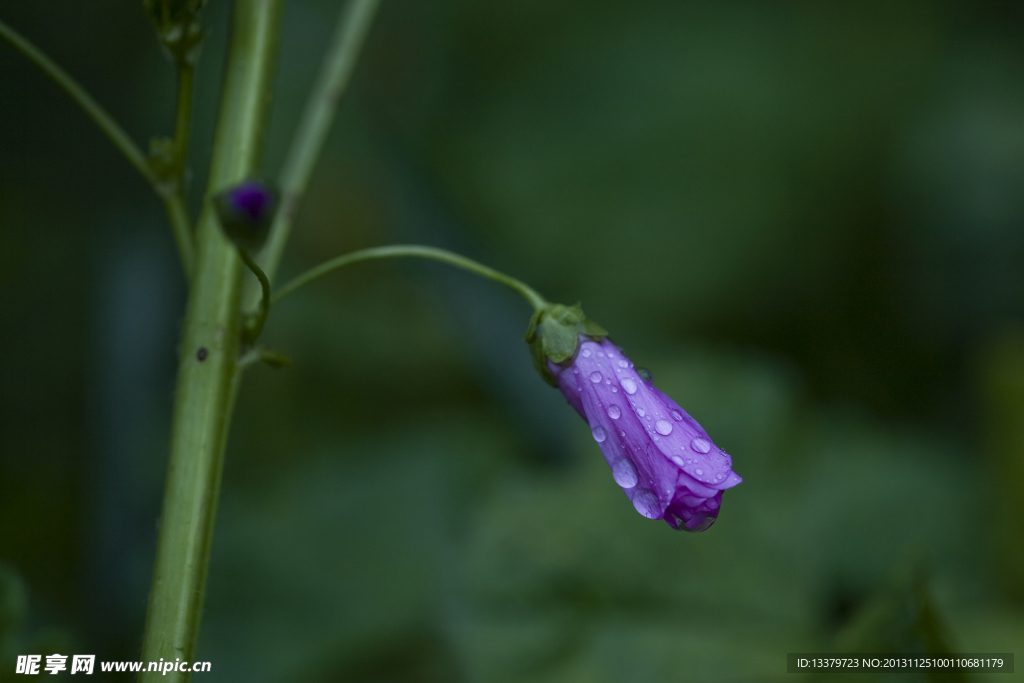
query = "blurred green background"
{"x": 806, "y": 218}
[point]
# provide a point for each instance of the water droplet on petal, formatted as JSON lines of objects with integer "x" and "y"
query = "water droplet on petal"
{"x": 622, "y": 433}
{"x": 640, "y": 412}
{"x": 664, "y": 427}
{"x": 677, "y": 460}
{"x": 623, "y": 364}
{"x": 599, "y": 434}
{"x": 646, "y": 503}
{"x": 585, "y": 353}
{"x": 624, "y": 473}
{"x": 595, "y": 377}
{"x": 701, "y": 445}
{"x": 699, "y": 472}
{"x": 676, "y": 415}
{"x": 614, "y": 390}
{"x": 629, "y": 386}
{"x": 614, "y": 412}
{"x": 645, "y": 374}
{"x": 712, "y": 503}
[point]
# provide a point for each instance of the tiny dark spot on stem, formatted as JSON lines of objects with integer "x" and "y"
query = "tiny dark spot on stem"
{"x": 202, "y": 353}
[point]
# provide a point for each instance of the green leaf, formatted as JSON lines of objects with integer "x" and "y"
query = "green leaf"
{"x": 274, "y": 359}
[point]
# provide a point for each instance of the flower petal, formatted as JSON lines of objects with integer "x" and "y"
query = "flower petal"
{"x": 659, "y": 455}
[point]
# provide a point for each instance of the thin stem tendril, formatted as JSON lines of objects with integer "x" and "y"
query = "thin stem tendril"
{"x": 410, "y": 251}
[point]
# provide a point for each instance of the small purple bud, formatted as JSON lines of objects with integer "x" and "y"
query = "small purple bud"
{"x": 661, "y": 458}
{"x": 251, "y": 200}
{"x": 246, "y": 212}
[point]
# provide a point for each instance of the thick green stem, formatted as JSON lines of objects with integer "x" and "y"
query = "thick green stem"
{"x": 411, "y": 251}
{"x": 107, "y": 124}
{"x": 208, "y": 371}
{"x": 335, "y": 73}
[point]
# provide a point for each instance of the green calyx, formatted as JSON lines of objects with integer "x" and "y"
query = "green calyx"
{"x": 554, "y": 334}
{"x": 246, "y": 212}
{"x": 177, "y": 25}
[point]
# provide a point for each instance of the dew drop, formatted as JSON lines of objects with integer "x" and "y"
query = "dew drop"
{"x": 640, "y": 412}
{"x": 676, "y": 415}
{"x": 585, "y": 353}
{"x": 623, "y": 364}
{"x": 595, "y": 377}
{"x": 712, "y": 503}
{"x": 664, "y": 427}
{"x": 624, "y": 473}
{"x": 614, "y": 390}
{"x": 614, "y": 412}
{"x": 677, "y": 460}
{"x": 646, "y": 503}
{"x": 699, "y": 472}
{"x": 599, "y": 434}
{"x": 629, "y": 386}
{"x": 701, "y": 445}
{"x": 645, "y": 374}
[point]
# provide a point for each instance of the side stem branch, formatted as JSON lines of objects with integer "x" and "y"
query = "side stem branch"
{"x": 116, "y": 134}
{"x": 335, "y": 72}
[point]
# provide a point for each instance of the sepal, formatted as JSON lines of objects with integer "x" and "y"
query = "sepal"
{"x": 554, "y": 335}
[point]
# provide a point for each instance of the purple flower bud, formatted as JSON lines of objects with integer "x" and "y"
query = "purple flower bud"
{"x": 245, "y": 212}
{"x": 664, "y": 461}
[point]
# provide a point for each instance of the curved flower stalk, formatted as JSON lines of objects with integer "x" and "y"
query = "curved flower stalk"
{"x": 245, "y": 212}
{"x": 663, "y": 460}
